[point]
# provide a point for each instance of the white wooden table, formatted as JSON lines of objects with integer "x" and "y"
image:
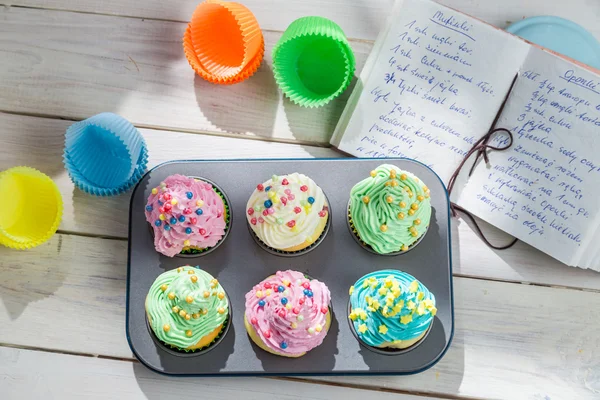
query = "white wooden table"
{"x": 527, "y": 327}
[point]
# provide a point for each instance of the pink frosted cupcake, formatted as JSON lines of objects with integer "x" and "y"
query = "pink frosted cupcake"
{"x": 288, "y": 314}
{"x": 188, "y": 216}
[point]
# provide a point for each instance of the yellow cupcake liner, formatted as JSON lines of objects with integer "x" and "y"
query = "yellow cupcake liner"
{"x": 34, "y": 208}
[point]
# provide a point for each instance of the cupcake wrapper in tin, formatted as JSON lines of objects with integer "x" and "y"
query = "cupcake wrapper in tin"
{"x": 313, "y": 62}
{"x": 191, "y": 251}
{"x": 105, "y": 155}
{"x": 34, "y": 211}
{"x": 223, "y": 42}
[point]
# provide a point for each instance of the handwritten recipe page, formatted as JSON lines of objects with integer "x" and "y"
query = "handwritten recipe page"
{"x": 434, "y": 88}
{"x": 544, "y": 189}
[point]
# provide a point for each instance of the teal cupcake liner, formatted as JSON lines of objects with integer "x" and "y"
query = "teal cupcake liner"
{"x": 104, "y": 155}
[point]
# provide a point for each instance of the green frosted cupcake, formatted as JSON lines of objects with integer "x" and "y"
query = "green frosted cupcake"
{"x": 389, "y": 211}
{"x": 187, "y": 308}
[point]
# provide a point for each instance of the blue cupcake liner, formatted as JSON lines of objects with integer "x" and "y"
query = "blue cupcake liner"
{"x": 105, "y": 154}
{"x": 84, "y": 185}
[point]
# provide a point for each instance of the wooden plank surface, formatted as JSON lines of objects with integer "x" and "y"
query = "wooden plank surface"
{"x": 26, "y": 374}
{"x": 531, "y": 340}
{"x": 360, "y": 19}
{"x": 38, "y": 142}
{"x": 74, "y": 65}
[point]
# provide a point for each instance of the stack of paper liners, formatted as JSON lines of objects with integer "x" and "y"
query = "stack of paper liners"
{"x": 223, "y": 42}
{"x": 32, "y": 210}
{"x": 313, "y": 62}
{"x": 105, "y": 155}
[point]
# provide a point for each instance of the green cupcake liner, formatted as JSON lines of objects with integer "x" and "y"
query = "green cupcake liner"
{"x": 313, "y": 62}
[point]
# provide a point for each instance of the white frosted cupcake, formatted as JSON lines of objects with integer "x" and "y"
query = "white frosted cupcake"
{"x": 288, "y": 213}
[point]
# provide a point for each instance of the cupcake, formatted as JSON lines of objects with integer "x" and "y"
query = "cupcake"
{"x": 390, "y": 210}
{"x": 188, "y": 215}
{"x": 288, "y": 314}
{"x": 187, "y": 308}
{"x": 288, "y": 213}
{"x": 390, "y": 309}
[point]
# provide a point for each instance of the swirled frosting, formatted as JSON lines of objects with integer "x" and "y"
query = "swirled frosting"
{"x": 289, "y": 312}
{"x": 287, "y": 212}
{"x": 390, "y": 306}
{"x": 185, "y": 305}
{"x": 390, "y": 210}
{"x": 185, "y": 213}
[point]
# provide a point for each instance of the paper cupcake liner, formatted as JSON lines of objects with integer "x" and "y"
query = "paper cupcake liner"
{"x": 367, "y": 247}
{"x": 313, "y": 62}
{"x": 194, "y": 251}
{"x": 223, "y": 42}
{"x": 34, "y": 211}
{"x": 105, "y": 154}
{"x": 387, "y": 351}
{"x": 195, "y": 352}
{"x": 305, "y": 250}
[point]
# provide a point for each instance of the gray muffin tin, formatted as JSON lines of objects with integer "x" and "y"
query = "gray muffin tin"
{"x": 339, "y": 261}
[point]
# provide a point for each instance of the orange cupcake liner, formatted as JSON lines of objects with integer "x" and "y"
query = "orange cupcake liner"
{"x": 223, "y": 42}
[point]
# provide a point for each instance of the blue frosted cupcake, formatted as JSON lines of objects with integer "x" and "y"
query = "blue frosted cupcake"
{"x": 390, "y": 309}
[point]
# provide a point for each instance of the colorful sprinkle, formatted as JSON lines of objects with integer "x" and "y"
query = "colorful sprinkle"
{"x": 400, "y": 215}
{"x": 253, "y": 221}
{"x": 282, "y": 313}
{"x": 167, "y": 227}
{"x": 194, "y": 278}
{"x": 291, "y": 223}
{"x": 154, "y": 191}
{"x": 420, "y": 198}
{"x": 267, "y": 188}
{"x": 202, "y": 231}
{"x": 221, "y": 310}
{"x": 284, "y": 345}
{"x": 383, "y": 228}
{"x": 188, "y": 230}
{"x": 306, "y": 285}
{"x": 318, "y": 328}
{"x": 181, "y": 218}
{"x": 148, "y": 208}
{"x": 189, "y": 195}
{"x": 157, "y": 222}
{"x": 324, "y": 310}
{"x": 383, "y": 329}
{"x": 285, "y": 182}
{"x": 311, "y": 200}
{"x": 280, "y": 289}
{"x": 414, "y": 206}
{"x": 389, "y": 199}
{"x": 206, "y": 294}
{"x": 362, "y": 328}
{"x": 199, "y": 211}
{"x": 260, "y": 220}
{"x": 253, "y": 321}
{"x": 186, "y": 243}
{"x": 304, "y": 188}
{"x": 265, "y": 212}
{"x": 373, "y": 174}
{"x": 173, "y": 202}
{"x": 268, "y": 203}
{"x": 403, "y": 177}
{"x": 297, "y": 210}
{"x": 291, "y": 197}
{"x": 322, "y": 213}
{"x": 296, "y": 310}
{"x": 261, "y": 303}
{"x": 366, "y": 199}
{"x": 284, "y": 300}
{"x": 193, "y": 221}
{"x": 250, "y": 211}
{"x": 271, "y": 211}
{"x": 311, "y": 330}
{"x": 279, "y": 221}
{"x": 199, "y": 203}
{"x": 267, "y": 333}
{"x": 300, "y": 318}
{"x": 173, "y": 220}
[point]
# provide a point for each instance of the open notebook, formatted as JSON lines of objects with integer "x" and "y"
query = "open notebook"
{"x": 437, "y": 80}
